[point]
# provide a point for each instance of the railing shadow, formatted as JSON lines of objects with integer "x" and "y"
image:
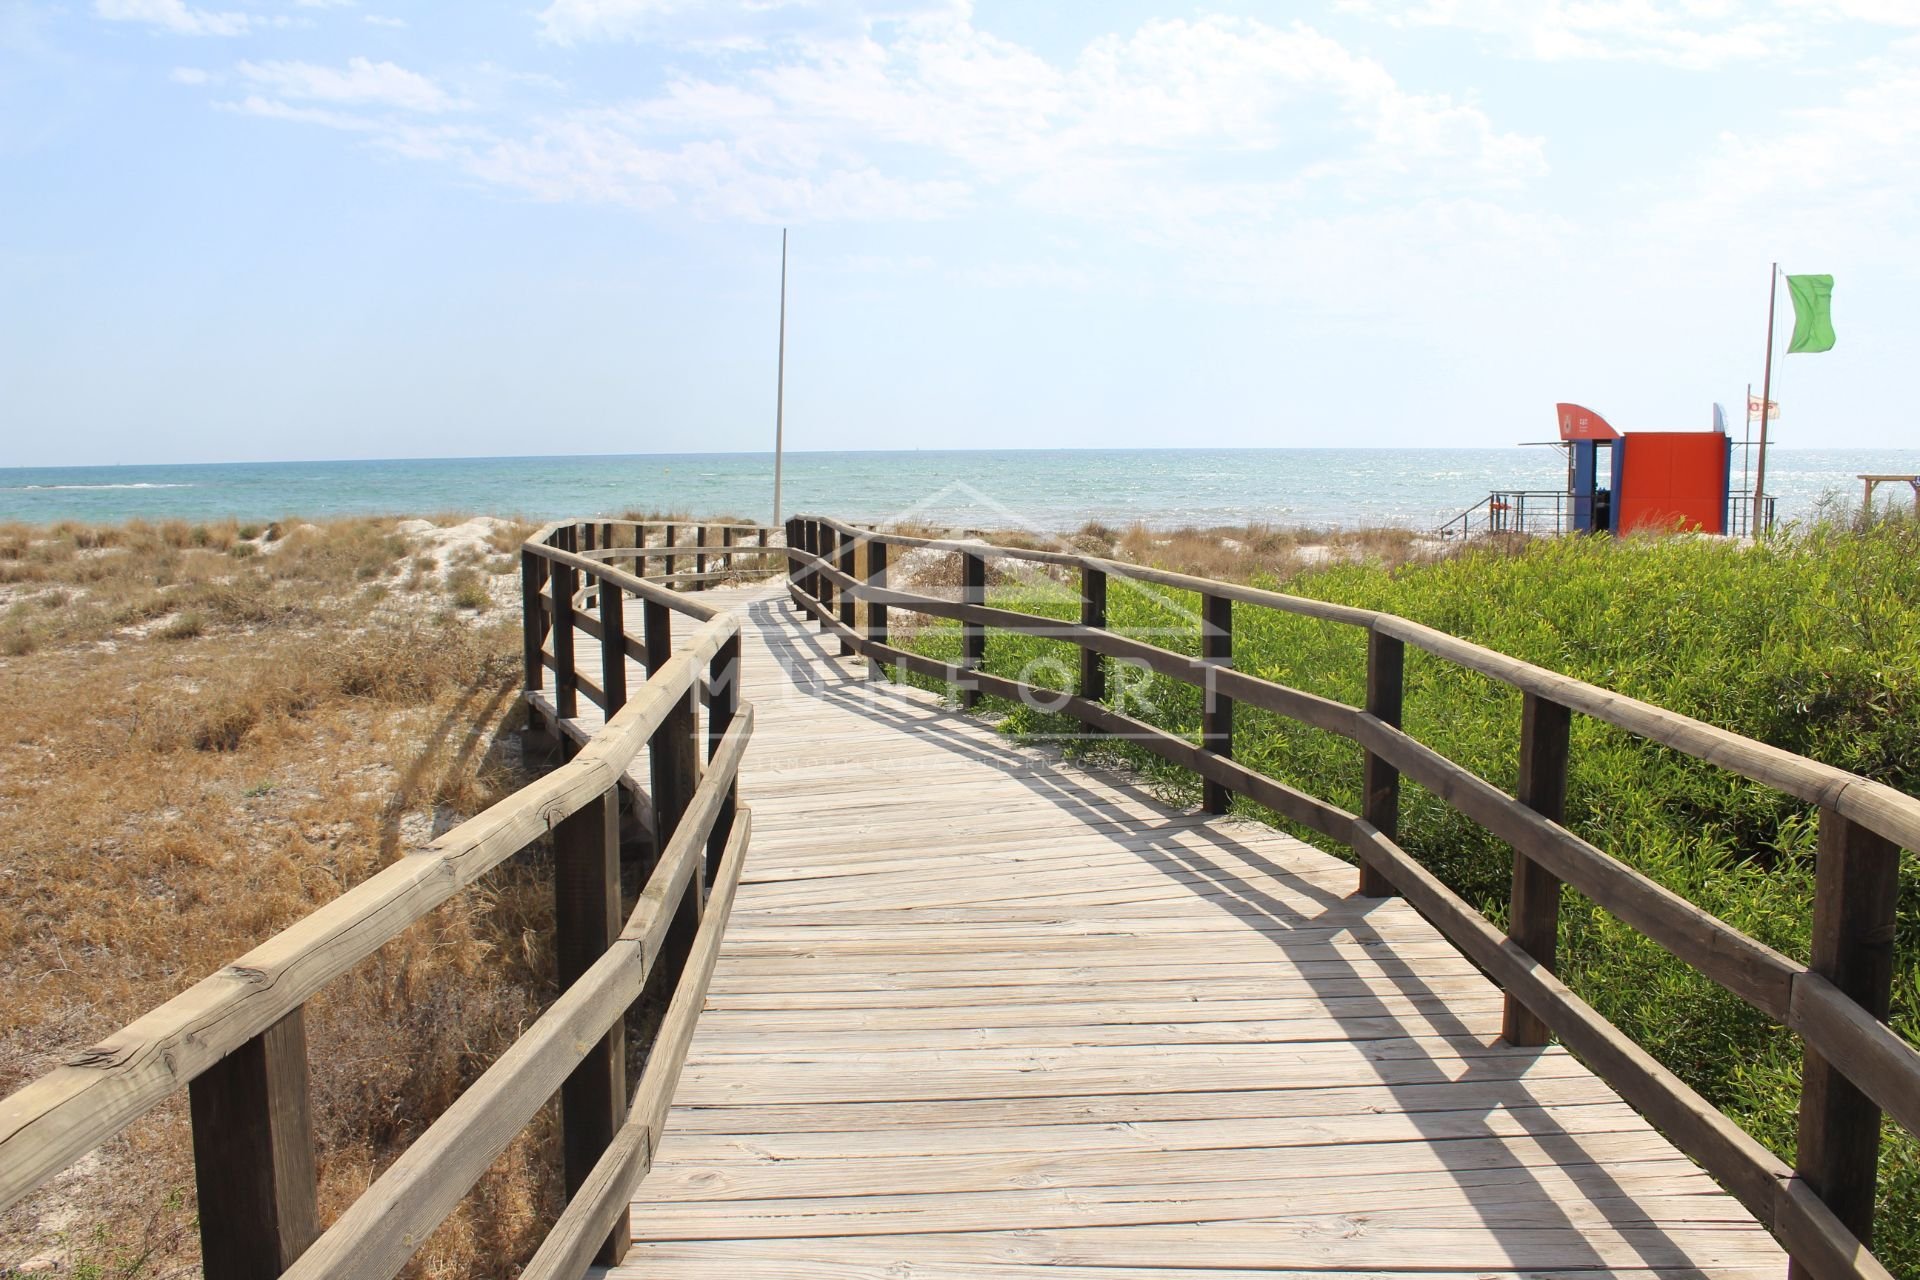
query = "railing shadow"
{"x": 1202, "y": 857}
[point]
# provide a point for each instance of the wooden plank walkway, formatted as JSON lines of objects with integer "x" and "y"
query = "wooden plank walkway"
{"x": 983, "y": 1015}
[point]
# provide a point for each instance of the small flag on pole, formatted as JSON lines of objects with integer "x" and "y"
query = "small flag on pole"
{"x": 1753, "y": 408}
{"x": 1812, "y": 313}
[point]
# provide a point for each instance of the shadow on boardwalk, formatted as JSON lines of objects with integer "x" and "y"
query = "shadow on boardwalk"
{"x": 989, "y": 1046}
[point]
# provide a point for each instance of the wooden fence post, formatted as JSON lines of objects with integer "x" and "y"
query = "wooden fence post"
{"x": 699, "y": 557}
{"x": 1380, "y": 781}
{"x": 1216, "y": 716}
{"x": 809, "y": 543}
{"x": 587, "y": 531}
{"x": 566, "y": 686}
{"x": 726, "y": 555}
{"x": 1533, "y": 917}
{"x": 723, "y": 702}
{"x": 829, "y": 543}
{"x": 1093, "y": 615}
{"x": 876, "y": 612}
{"x": 586, "y": 920}
{"x": 253, "y": 1156}
{"x": 1855, "y": 894}
{"x": 671, "y": 560}
{"x": 974, "y": 635}
{"x": 845, "y": 563}
{"x": 613, "y": 646}
{"x": 532, "y": 618}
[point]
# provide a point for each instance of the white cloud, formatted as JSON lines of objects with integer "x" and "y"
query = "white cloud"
{"x": 1830, "y": 178}
{"x": 1193, "y": 120}
{"x": 189, "y": 75}
{"x": 361, "y": 82}
{"x": 382, "y": 20}
{"x": 729, "y": 23}
{"x": 1178, "y": 130}
{"x": 174, "y": 16}
{"x": 1692, "y": 34}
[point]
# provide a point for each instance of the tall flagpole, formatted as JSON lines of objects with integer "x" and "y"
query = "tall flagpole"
{"x": 1766, "y": 403}
{"x": 1746, "y": 444}
{"x": 780, "y": 386}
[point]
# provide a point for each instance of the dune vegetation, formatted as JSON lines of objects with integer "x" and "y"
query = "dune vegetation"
{"x": 1809, "y": 641}
{"x": 212, "y": 729}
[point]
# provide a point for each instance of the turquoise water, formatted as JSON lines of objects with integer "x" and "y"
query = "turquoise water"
{"x": 1043, "y": 488}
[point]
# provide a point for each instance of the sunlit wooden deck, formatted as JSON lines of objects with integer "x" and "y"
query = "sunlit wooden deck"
{"x": 980, "y": 1013}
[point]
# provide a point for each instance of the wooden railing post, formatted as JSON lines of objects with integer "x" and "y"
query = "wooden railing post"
{"x": 587, "y": 530}
{"x": 1380, "y": 781}
{"x": 723, "y": 702}
{"x": 1093, "y": 615}
{"x": 1855, "y": 894}
{"x": 845, "y": 563}
{"x": 586, "y": 920}
{"x": 829, "y": 543}
{"x": 1216, "y": 716}
{"x": 670, "y": 560}
{"x": 253, "y": 1156}
{"x": 613, "y": 646}
{"x": 532, "y": 618}
{"x": 810, "y": 543}
{"x": 1533, "y": 916}
{"x": 566, "y": 687}
{"x": 974, "y": 635}
{"x": 726, "y": 555}
{"x": 699, "y": 557}
{"x": 876, "y": 612}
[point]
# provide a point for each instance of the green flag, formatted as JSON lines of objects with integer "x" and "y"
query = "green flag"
{"x": 1812, "y": 313}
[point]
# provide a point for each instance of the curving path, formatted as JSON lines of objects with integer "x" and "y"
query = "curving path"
{"x": 982, "y": 1015}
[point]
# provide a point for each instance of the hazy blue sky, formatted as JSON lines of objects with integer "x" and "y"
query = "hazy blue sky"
{"x": 246, "y": 229}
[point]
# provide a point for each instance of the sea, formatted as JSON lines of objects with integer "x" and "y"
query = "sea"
{"x": 1051, "y": 490}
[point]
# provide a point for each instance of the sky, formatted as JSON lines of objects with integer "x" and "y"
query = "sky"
{"x": 280, "y": 229}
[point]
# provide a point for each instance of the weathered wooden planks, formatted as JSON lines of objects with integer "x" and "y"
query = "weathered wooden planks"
{"x": 983, "y": 1015}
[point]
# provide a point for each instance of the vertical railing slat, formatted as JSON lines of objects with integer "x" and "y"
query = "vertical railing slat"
{"x": 613, "y": 647}
{"x": 1533, "y": 916}
{"x": 253, "y": 1155}
{"x": 566, "y": 686}
{"x": 1380, "y": 781}
{"x": 1855, "y": 896}
{"x": 1093, "y": 615}
{"x": 723, "y": 702}
{"x": 973, "y": 634}
{"x": 1216, "y": 716}
{"x": 532, "y": 617}
{"x": 845, "y": 563}
{"x": 876, "y": 613}
{"x": 586, "y": 920}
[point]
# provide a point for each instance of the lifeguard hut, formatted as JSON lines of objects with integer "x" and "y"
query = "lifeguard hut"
{"x": 1619, "y": 482}
{"x": 1662, "y": 480}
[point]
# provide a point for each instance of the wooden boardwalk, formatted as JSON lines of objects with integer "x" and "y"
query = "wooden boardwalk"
{"x": 982, "y": 1014}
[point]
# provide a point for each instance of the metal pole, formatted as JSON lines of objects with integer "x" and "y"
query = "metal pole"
{"x": 1766, "y": 403}
{"x": 780, "y": 386}
{"x": 1746, "y": 444}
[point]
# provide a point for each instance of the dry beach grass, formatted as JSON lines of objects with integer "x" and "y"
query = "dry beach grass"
{"x": 211, "y": 730}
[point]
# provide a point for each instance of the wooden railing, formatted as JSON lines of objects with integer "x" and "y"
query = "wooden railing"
{"x": 236, "y": 1040}
{"x": 1856, "y": 1067}
{"x": 719, "y": 552}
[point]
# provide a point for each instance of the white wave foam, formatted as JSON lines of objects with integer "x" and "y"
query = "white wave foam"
{"x": 141, "y": 485}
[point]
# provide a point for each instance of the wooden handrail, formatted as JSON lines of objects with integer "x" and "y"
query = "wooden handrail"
{"x": 236, "y": 1038}
{"x": 1857, "y": 1065}
{"x": 379, "y": 1232}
